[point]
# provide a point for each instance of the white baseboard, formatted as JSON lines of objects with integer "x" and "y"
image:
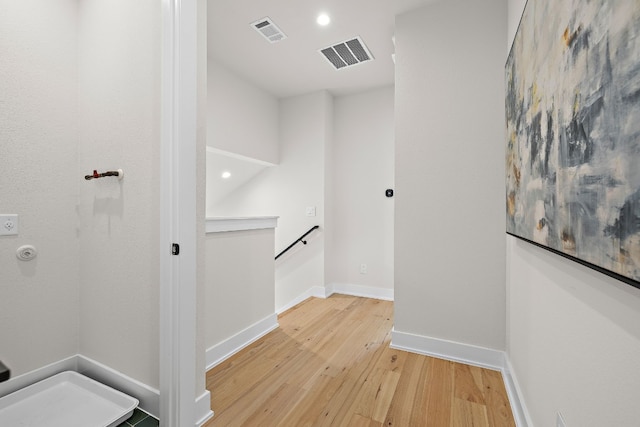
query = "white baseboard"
{"x": 360, "y": 291}
{"x": 203, "y": 408}
{"x": 339, "y": 288}
{"x": 514, "y": 392}
{"x": 149, "y": 397}
{"x": 314, "y": 291}
{"x": 471, "y": 355}
{"x": 449, "y": 350}
{"x": 32, "y": 377}
{"x": 234, "y": 344}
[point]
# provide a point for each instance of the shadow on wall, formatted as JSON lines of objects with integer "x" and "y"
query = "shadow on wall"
{"x": 108, "y": 203}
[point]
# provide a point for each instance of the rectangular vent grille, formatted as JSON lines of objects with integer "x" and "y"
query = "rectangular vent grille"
{"x": 347, "y": 53}
{"x": 268, "y": 30}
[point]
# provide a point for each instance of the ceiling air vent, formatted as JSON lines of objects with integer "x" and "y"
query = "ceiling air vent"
{"x": 347, "y": 53}
{"x": 269, "y": 30}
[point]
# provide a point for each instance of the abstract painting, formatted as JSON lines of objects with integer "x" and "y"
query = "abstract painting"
{"x": 573, "y": 132}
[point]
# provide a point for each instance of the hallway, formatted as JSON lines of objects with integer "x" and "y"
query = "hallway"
{"x": 329, "y": 364}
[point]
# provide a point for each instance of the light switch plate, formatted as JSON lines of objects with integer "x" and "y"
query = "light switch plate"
{"x": 8, "y": 225}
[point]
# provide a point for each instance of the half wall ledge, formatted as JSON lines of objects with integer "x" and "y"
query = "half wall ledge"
{"x": 219, "y": 225}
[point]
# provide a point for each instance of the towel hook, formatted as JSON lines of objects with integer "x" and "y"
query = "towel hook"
{"x": 119, "y": 173}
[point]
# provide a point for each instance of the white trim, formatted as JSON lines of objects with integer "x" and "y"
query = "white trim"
{"x": 32, "y": 377}
{"x": 178, "y": 212}
{"x": 218, "y": 225}
{"x": 203, "y": 408}
{"x": 360, "y": 291}
{"x": 471, "y": 355}
{"x": 239, "y": 156}
{"x": 449, "y": 350}
{"x": 339, "y": 288}
{"x": 149, "y": 397}
{"x": 314, "y": 291}
{"x": 227, "y": 348}
{"x": 514, "y": 392}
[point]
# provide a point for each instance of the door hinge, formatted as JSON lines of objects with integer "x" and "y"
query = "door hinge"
{"x": 175, "y": 249}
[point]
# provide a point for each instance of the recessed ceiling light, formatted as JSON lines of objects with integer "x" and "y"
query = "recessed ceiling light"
{"x": 323, "y": 19}
{"x": 226, "y": 175}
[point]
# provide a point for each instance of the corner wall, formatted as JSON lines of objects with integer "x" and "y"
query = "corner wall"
{"x": 119, "y": 87}
{"x": 288, "y": 189}
{"x": 362, "y": 169}
{"x": 449, "y": 216}
{"x": 573, "y": 338}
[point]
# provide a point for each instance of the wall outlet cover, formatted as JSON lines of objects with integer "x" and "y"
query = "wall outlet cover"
{"x": 8, "y": 225}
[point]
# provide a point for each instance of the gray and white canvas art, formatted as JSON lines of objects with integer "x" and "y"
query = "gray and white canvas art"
{"x": 573, "y": 132}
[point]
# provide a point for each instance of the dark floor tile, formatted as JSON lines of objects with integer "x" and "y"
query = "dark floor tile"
{"x": 137, "y": 416}
{"x": 148, "y": 422}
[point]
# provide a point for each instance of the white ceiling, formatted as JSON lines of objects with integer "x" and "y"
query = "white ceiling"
{"x": 294, "y": 66}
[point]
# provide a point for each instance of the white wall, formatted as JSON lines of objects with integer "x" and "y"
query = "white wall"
{"x": 81, "y": 85}
{"x": 242, "y": 118}
{"x": 573, "y": 337}
{"x": 240, "y": 276}
{"x": 119, "y": 86}
{"x": 363, "y": 168}
{"x": 449, "y": 216}
{"x": 287, "y": 189}
{"x": 356, "y": 169}
{"x": 303, "y": 139}
{"x": 242, "y": 170}
{"x": 39, "y": 181}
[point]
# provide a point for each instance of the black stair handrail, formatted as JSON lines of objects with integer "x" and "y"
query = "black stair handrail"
{"x": 298, "y": 240}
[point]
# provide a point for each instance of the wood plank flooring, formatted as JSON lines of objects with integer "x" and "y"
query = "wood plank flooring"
{"x": 329, "y": 364}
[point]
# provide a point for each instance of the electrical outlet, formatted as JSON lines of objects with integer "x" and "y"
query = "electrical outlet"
{"x": 8, "y": 225}
{"x": 363, "y": 268}
{"x": 560, "y": 421}
{"x": 311, "y": 211}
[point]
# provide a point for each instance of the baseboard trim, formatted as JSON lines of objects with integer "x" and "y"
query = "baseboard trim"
{"x": 449, "y": 350}
{"x": 203, "y": 408}
{"x": 149, "y": 397}
{"x": 339, "y": 288}
{"x": 32, "y": 377}
{"x": 227, "y": 348}
{"x": 471, "y": 355}
{"x": 314, "y": 291}
{"x": 360, "y": 291}
{"x": 514, "y": 392}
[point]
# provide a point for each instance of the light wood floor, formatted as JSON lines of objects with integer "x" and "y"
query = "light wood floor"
{"x": 329, "y": 364}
